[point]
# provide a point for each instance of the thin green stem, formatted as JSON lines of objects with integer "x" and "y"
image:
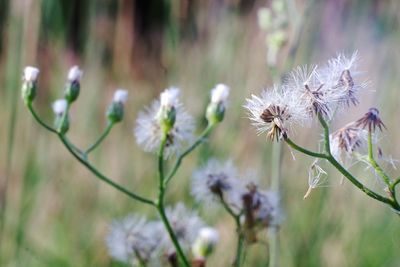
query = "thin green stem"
{"x": 37, "y": 118}
{"x": 375, "y": 164}
{"x": 101, "y": 138}
{"x": 240, "y": 243}
{"x": 160, "y": 203}
{"x": 101, "y": 176}
{"x": 178, "y": 162}
{"x": 240, "y": 246}
{"x": 304, "y": 150}
{"x": 49, "y": 128}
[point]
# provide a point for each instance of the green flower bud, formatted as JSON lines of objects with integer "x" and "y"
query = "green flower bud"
{"x": 216, "y": 109}
{"x": 115, "y": 112}
{"x": 61, "y": 122}
{"x": 73, "y": 86}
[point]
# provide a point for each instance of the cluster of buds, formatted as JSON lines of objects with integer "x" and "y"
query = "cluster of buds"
{"x": 115, "y": 111}
{"x": 273, "y": 21}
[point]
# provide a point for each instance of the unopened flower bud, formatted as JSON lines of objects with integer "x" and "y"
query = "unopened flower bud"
{"x": 115, "y": 112}
{"x": 73, "y": 86}
{"x": 29, "y": 84}
{"x": 61, "y": 121}
{"x": 167, "y": 113}
{"x": 216, "y": 109}
{"x": 205, "y": 243}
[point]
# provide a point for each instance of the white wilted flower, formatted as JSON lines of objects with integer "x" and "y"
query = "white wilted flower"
{"x": 220, "y": 93}
{"x": 149, "y": 131}
{"x": 186, "y": 225}
{"x": 60, "y": 107}
{"x": 275, "y": 111}
{"x": 346, "y": 140}
{"x": 75, "y": 74}
{"x": 120, "y": 96}
{"x": 134, "y": 237}
{"x": 216, "y": 181}
{"x": 307, "y": 86}
{"x": 341, "y": 75}
{"x": 207, "y": 239}
{"x": 30, "y": 74}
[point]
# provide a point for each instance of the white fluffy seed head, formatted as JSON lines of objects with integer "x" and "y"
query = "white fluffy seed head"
{"x": 120, "y": 96}
{"x": 31, "y": 74}
{"x": 169, "y": 97}
{"x": 283, "y": 107}
{"x": 59, "y": 106}
{"x": 148, "y": 131}
{"x": 75, "y": 74}
{"x": 220, "y": 93}
{"x": 186, "y": 225}
{"x": 133, "y": 236}
{"x": 215, "y": 179}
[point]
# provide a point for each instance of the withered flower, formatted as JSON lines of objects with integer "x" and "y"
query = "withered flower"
{"x": 371, "y": 120}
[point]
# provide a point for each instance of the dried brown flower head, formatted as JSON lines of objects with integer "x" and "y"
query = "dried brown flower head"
{"x": 276, "y": 115}
{"x": 371, "y": 120}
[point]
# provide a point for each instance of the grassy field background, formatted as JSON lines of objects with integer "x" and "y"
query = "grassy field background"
{"x": 55, "y": 213}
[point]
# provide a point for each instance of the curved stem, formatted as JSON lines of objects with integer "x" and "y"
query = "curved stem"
{"x": 101, "y": 138}
{"x": 37, "y": 118}
{"x": 178, "y": 162}
{"x": 303, "y": 150}
{"x": 160, "y": 204}
{"x": 49, "y": 128}
{"x": 102, "y": 176}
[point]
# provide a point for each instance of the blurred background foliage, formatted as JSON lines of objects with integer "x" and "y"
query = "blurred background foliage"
{"x": 54, "y": 213}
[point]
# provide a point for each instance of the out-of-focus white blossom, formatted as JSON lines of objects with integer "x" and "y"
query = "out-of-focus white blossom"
{"x": 75, "y": 74}
{"x": 220, "y": 93}
{"x": 30, "y": 74}
{"x": 207, "y": 239}
{"x": 120, "y": 96}
{"x": 169, "y": 98}
{"x": 60, "y": 107}
{"x": 149, "y": 131}
{"x": 186, "y": 225}
{"x": 134, "y": 237}
{"x": 216, "y": 180}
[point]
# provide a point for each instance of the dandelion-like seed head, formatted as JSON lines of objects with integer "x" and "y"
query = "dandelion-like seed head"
{"x": 261, "y": 209}
{"x": 59, "y": 107}
{"x": 307, "y": 85}
{"x": 215, "y": 181}
{"x": 149, "y": 131}
{"x": 186, "y": 225}
{"x": 342, "y": 77}
{"x": 120, "y": 96}
{"x": 371, "y": 120}
{"x": 134, "y": 237}
{"x": 75, "y": 74}
{"x": 30, "y": 74}
{"x": 275, "y": 111}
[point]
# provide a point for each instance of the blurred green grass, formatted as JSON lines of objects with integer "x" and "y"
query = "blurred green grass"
{"x": 56, "y": 213}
